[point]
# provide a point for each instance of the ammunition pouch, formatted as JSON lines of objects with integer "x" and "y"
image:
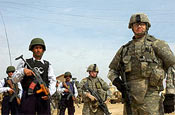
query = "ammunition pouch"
{"x": 157, "y": 76}
{"x": 169, "y": 103}
{"x": 102, "y": 94}
{"x": 127, "y": 63}
{"x": 94, "y": 106}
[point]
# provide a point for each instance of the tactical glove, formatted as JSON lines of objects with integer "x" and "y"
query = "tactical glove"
{"x": 169, "y": 103}
{"x": 119, "y": 84}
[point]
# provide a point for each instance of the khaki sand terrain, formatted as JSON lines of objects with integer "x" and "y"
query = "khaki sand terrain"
{"x": 115, "y": 109}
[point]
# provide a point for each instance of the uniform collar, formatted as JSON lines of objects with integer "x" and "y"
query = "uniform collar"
{"x": 92, "y": 78}
{"x": 9, "y": 77}
{"x": 41, "y": 60}
{"x": 139, "y": 39}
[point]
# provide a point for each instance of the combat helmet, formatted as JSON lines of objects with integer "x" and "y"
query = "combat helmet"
{"x": 10, "y": 69}
{"x": 93, "y": 67}
{"x": 139, "y": 17}
{"x": 67, "y": 74}
{"x": 37, "y": 41}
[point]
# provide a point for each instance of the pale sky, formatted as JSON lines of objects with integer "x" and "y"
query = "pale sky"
{"x": 78, "y": 33}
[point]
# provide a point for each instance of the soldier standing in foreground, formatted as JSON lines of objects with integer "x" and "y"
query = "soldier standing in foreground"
{"x": 10, "y": 104}
{"x": 96, "y": 84}
{"x": 33, "y": 102}
{"x": 141, "y": 65}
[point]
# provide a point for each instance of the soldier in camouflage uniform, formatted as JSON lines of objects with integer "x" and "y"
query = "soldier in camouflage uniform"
{"x": 97, "y": 84}
{"x": 145, "y": 61}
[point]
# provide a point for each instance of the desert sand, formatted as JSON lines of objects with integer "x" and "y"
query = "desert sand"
{"x": 115, "y": 109}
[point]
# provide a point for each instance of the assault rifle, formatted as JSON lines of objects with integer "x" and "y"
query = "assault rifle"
{"x": 125, "y": 91}
{"x": 15, "y": 95}
{"x": 38, "y": 79}
{"x": 102, "y": 105}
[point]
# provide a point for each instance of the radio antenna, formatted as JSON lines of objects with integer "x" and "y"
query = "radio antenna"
{"x": 6, "y": 37}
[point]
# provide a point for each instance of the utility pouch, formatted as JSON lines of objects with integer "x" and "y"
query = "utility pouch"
{"x": 98, "y": 85}
{"x": 157, "y": 76}
{"x": 127, "y": 63}
{"x": 145, "y": 69}
{"x": 100, "y": 91}
{"x": 94, "y": 106}
{"x": 144, "y": 66}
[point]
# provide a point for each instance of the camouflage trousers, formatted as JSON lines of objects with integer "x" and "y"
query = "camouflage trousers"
{"x": 152, "y": 105}
{"x": 87, "y": 110}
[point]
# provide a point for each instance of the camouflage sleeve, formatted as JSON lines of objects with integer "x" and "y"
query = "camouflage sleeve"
{"x": 164, "y": 52}
{"x": 80, "y": 86}
{"x": 105, "y": 86}
{"x": 114, "y": 66}
{"x": 170, "y": 81}
{"x": 112, "y": 75}
{"x": 116, "y": 60}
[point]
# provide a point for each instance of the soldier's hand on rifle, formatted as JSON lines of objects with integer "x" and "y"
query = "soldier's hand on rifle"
{"x": 66, "y": 90}
{"x": 91, "y": 97}
{"x": 28, "y": 72}
{"x": 45, "y": 97}
{"x": 73, "y": 98}
{"x": 11, "y": 91}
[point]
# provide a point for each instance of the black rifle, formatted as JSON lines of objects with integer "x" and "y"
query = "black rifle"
{"x": 15, "y": 95}
{"x": 102, "y": 105}
{"x": 70, "y": 92}
{"x": 125, "y": 91}
{"x": 43, "y": 86}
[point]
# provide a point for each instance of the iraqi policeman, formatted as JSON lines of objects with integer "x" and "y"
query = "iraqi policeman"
{"x": 10, "y": 104}
{"x": 33, "y": 102}
{"x": 144, "y": 61}
{"x": 69, "y": 93}
{"x": 97, "y": 84}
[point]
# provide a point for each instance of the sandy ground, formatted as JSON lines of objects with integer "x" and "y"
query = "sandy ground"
{"x": 115, "y": 109}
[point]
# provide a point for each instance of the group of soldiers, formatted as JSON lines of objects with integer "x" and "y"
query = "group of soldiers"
{"x": 137, "y": 70}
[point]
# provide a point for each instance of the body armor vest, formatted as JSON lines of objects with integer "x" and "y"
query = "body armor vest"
{"x": 96, "y": 85}
{"x": 71, "y": 86}
{"x": 140, "y": 61}
{"x": 43, "y": 70}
